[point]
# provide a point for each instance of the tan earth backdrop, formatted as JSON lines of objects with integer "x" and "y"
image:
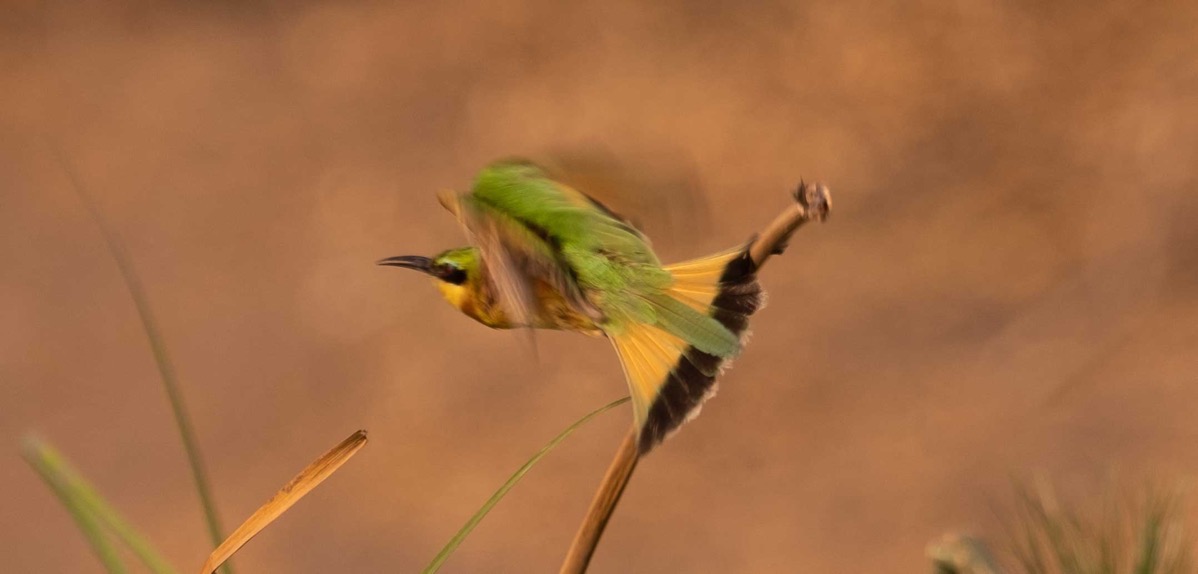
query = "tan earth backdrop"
{"x": 1008, "y": 284}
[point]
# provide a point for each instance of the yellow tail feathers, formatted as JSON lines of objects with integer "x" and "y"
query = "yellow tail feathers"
{"x": 648, "y": 355}
{"x": 668, "y": 378}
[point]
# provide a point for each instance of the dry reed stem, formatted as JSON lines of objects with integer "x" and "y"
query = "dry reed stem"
{"x": 301, "y": 485}
{"x": 811, "y": 202}
{"x": 619, "y": 472}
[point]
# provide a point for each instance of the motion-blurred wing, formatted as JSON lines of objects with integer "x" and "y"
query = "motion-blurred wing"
{"x": 517, "y": 248}
{"x": 560, "y": 214}
{"x": 659, "y": 189}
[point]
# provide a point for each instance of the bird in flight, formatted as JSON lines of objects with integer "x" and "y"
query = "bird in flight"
{"x": 543, "y": 255}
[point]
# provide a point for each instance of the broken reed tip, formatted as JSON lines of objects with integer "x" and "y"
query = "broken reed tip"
{"x": 815, "y": 199}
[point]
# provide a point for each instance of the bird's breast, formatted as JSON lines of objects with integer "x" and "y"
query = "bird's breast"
{"x": 556, "y": 312}
{"x": 551, "y": 309}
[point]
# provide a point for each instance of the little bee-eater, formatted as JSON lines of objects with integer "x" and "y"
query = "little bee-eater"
{"x": 544, "y": 255}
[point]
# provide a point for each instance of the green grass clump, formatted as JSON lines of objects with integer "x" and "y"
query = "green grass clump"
{"x": 1118, "y": 533}
{"x": 1142, "y": 534}
{"x": 95, "y": 517}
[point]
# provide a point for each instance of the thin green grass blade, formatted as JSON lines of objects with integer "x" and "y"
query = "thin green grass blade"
{"x": 44, "y": 456}
{"x": 466, "y": 529}
{"x": 53, "y": 470}
{"x": 166, "y": 369}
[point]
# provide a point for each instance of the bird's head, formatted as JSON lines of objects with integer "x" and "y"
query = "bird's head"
{"x": 456, "y": 273}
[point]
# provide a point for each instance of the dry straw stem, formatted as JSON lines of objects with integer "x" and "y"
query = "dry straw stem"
{"x": 812, "y": 202}
{"x": 301, "y": 485}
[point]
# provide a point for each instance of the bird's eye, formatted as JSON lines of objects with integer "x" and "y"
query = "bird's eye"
{"x": 451, "y": 274}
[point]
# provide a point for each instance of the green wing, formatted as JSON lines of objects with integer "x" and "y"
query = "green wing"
{"x": 528, "y": 226}
{"x": 558, "y": 213}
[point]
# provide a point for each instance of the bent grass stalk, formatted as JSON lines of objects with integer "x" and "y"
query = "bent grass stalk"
{"x": 88, "y": 524}
{"x": 91, "y": 512}
{"x": 166, "y": 369}
{"x": 511, "y": 482}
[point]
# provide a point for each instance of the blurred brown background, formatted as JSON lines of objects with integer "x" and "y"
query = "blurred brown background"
{"x": 1008, "y": 285}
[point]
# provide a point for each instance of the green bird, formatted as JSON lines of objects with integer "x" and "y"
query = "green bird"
{"x": 544, "y": 255}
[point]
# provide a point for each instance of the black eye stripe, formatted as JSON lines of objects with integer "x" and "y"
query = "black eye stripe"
{"x": 449, "y": 274}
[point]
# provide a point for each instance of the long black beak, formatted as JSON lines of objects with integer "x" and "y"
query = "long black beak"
{"x": 409, "y": 261}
